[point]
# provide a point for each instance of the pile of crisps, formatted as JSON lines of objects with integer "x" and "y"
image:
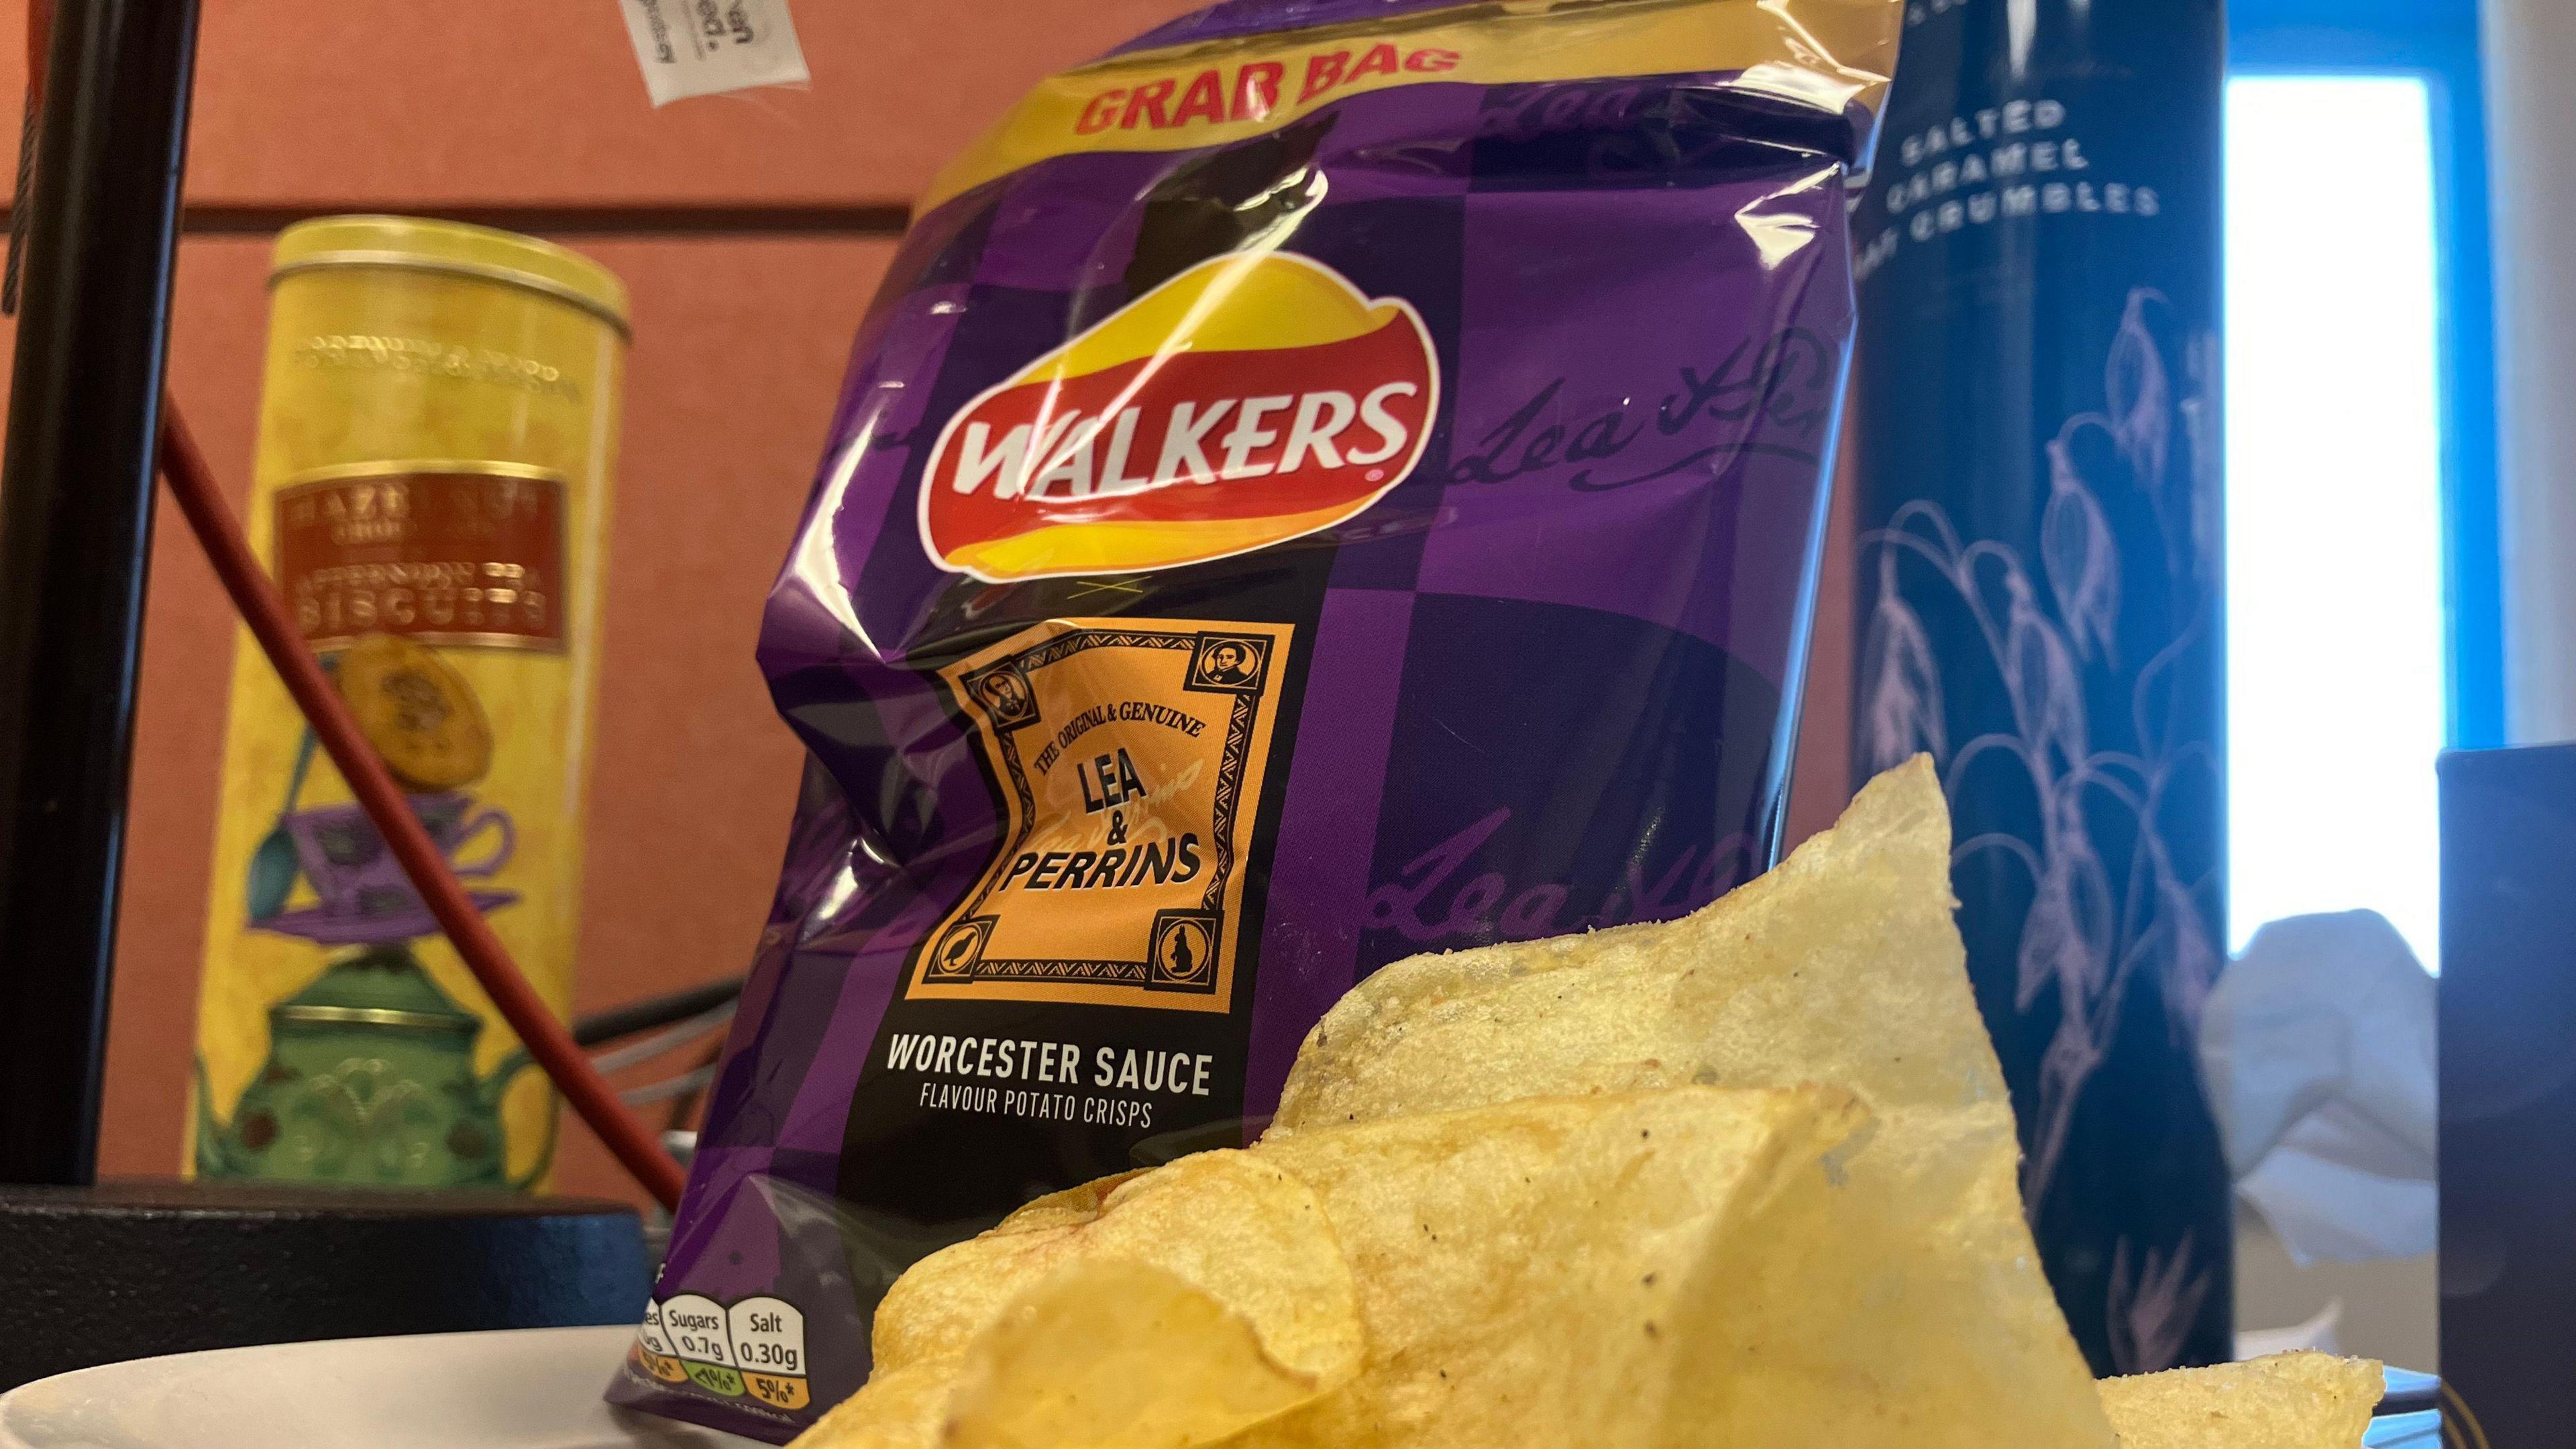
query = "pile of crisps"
{"x": 1747, "y": 1178}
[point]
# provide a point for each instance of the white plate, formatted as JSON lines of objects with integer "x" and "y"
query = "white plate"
{"x": 525, "y": 1389}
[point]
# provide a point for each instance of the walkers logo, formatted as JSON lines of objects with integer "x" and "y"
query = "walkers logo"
{"x": 1254, "y": 398}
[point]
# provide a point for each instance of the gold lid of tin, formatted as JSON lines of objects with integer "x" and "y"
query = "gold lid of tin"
{"x": 457, "y": 248}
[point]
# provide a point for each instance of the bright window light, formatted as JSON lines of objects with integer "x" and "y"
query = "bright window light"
{"x": 2335, "y": 624}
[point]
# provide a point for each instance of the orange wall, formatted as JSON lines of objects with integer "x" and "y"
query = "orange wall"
{"x": 752, "y": 230}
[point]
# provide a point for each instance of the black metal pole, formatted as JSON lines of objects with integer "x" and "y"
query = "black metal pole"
{"x": 75, "y": 539}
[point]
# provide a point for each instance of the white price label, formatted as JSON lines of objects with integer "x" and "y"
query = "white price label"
{"x": 707, "y": 47}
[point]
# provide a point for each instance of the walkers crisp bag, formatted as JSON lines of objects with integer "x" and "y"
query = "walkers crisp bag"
{"x": 1332, "y": 480}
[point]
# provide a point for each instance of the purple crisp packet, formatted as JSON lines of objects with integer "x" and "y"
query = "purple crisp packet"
{"x": 1333, "y": 480}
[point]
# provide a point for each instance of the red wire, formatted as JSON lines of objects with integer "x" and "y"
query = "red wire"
{"x": 40, "y": 33}
{"x": 192, "y": 483}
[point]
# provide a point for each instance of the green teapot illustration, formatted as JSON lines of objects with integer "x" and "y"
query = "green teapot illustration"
{"x": 369, "y": 1080}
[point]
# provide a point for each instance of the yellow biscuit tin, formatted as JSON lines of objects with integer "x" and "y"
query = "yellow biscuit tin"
{"x": 438, "y": 426}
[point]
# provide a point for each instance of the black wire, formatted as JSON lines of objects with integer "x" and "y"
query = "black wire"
{"x": 638, "y": 1016}
{"x": 18, "y": 207}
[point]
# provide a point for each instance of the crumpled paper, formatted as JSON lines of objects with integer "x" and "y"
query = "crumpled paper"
{"x": 2317, "y": 1046}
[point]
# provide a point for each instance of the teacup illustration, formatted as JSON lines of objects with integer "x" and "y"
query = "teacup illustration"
{"x": 355, "y": 873}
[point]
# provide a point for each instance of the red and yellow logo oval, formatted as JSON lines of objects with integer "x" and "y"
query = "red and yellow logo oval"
{"x": 1255, "y": 398}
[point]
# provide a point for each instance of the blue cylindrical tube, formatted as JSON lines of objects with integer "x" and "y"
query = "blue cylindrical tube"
{"x": 2039, "y": 580}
